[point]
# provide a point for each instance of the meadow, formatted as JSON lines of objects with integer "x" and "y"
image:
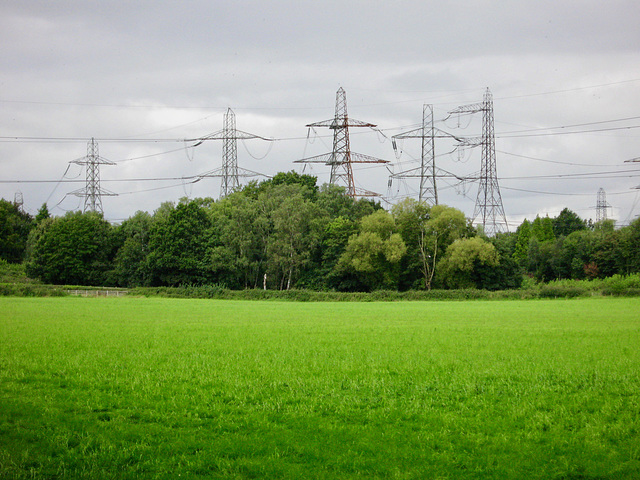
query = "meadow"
{"x": 171, "y": 388}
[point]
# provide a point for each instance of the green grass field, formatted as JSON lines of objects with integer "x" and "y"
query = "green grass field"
{"x": 160, "y": 388}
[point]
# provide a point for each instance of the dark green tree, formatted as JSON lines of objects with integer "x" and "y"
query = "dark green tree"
{"x": 76, "y": 249}
{"x": 297, "y": 227}
{"x": 567, "y": 222}
{"x": 43, "y": 213}
{"x": 630, "y": 248}
{"x": 178, "y": 243}
{"x": 523, "y": 237}
{"x": 542, "y": 229}
{"x": 508, "y": 274}
{"x": 237, "y": 250}
{"x": 15, "y": 226}
{"x": 130, "y": 266}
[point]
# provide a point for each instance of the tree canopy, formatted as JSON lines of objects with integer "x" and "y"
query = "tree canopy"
{"x": 287, "y": 232}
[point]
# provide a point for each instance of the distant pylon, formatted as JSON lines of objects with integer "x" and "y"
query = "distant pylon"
{"x": 18, "y": 200}
{"x": 488, "y": 211}
{"x": 230, "y": 173}
{"x": 601, "y": 206}
{"x": 92, "y": 192}
{"x": 427, "y": 170}
{"x": 341, "y": 158}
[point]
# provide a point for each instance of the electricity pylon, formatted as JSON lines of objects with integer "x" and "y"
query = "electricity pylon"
{"x": 601, "y": 206}
{"x": 341, "y": 158}
{"x": 427, "y": 170}
{"x": 488, "y": 211}
{"x": 92, "y": 192}
{"x": 18, "y": 200}
{"x": 230, "y": 172}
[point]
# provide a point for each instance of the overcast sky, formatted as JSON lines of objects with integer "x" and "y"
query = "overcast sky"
{"x": 141, "y": 77}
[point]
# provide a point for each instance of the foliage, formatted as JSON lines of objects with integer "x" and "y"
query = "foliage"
{"x": 178, "y": 246}
{"x": 43, "y": 213}
{"x": 427, "y": 232}
{"x": 75, "y": 249}
{"x": 375, "y": 252}
{"x": 130, "y": 264}
{"x": 15, "y": 226}
{"x": 567, "y": 222}
{"x": 13, "y": 272}
{"x": 464, "y": 262}
{"x": 287, "y": 233}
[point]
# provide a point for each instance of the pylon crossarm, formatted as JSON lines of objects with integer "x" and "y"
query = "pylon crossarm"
{"x": 328, "y": 158}
{"x": 472, "y": 108}
{"x": 324, "y": 158}
{"x": 415, "y": 133}
{"x": 469, "y": 141}
{"x": 239, "y": 135}
{"x": 361, "y": 192}
{"x": 361, "y": 158}
{"x": 341, "y": 123}
{"x": 82, "y": 192}
{"x": 219, "y": 172}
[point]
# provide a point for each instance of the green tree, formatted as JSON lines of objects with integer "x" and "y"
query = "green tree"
{"x": 334, "y": 200}
{"x": 523, "y": 238}
{"x": 374, "y": 253}
{"x": 239, "y": 230}
{"x": 15, "y": 226}
{"x": 43, "y": 213}
{"x": 567, "y": 222}
{"x": 542, "y": 229}
{"x": 427, "y": 232}
{"x": 630, "y": 248}
{"x": 178, "y": 242}
{"x": 130, "y": 265}
{"x": 76, "y": 249}
{"x": 576, "y": 253}
{"x": 335, "y": 236}
{"x": 297, "y": 224}
{"x": 508, "y": 274}
{"x": 464, "y": 261}
{"x": 545, "y": 259}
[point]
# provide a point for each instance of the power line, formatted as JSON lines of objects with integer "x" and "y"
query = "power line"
{"x": 554, "y": 161}
{"x": 566, "y": 194}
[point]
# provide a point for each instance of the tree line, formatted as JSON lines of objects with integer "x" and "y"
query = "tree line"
{"x": 288, "y": 232}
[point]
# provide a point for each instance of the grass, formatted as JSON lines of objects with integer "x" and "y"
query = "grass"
{"x": 170, "y": 388}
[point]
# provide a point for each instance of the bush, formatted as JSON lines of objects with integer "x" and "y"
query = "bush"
{"x": 619, "y": 285}
{"x": 561, "y": 291}
{"x": 30, "y": 290}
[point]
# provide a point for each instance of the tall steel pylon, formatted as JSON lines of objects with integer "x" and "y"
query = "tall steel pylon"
{"x": 601, "y": 206}
{"x": 92, "y": 192}
{"x": 341, "y": 158}
{"x": 230, "y": 172}
{"x": 488, "y": 211}
{"x": 427, "y": 170}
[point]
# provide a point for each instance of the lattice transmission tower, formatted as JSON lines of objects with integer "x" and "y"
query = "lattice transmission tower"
{"x": 426, "y": 172}
{"x": 230, "y": 173}
{"x": 92, "y": 192}
{"x": 18, "y": 200}
{"x": 488, "y": 211}
{"x": 601, "y": 206}
{"x": 341, "y": 157}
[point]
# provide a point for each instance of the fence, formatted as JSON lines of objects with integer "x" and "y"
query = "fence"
{"x": 97, "y": 293}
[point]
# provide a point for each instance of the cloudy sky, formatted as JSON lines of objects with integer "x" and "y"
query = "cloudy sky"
{"x": 145, "y": 78}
